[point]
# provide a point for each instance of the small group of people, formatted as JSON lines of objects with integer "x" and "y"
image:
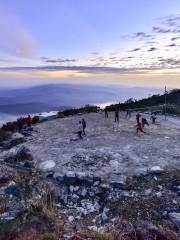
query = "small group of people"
{"x": 25, "y": 125}
{"x": 81, "y": 128}
{"x": 141, "y": 124}
{"x": 116, "y": 116}
{"x": 141, "y": 121}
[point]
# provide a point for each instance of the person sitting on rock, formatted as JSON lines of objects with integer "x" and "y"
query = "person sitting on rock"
{"x": 84, "y": 126}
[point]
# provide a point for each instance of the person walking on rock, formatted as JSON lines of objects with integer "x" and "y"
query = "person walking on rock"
{"x": 84, "y": 126}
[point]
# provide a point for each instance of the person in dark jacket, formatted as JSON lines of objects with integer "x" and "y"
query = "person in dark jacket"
{"x": 117, "y": 115}
{"x": 144, "y": 122}
{"x": 138, "y": 118}
{"x": 84, "y": 126}
{"x": 20, "y": 124}
{"x": 106, "y": 112}
{"x": 80, "y": 130}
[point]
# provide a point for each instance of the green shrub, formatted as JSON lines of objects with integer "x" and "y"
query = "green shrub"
{"x": 60, "y": 115}
{"x": 35, "y": 119}
{"x": 4, "y": 135}
{"x": 49, "y": 236}
{"x": 101, "y": 237}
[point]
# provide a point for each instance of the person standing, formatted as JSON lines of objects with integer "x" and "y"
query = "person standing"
{"x": 128, "y": 114}
{"x": 138, "y": 115}
{"x": 117, "y": 115}
{"x": 80, "y": 130}
{"x": 20, "y": 124}
{"x": 106, "y": 112}
{"x": 84, "y": 126}
{"x": 153, "y": 117}
{"x": 29, "y": 121}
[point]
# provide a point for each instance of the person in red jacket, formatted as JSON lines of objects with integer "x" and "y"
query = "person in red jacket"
{"x": 29, "y": 121}
{"x": 139, "y": 127}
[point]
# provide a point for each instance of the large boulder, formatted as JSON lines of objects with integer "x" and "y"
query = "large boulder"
{"x": 21, "y": 154}
{"x": 156, "y": 170}
{"x": 14, "y": 140}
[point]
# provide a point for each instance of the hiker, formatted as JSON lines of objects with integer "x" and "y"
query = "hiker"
{"x": 20, "y": 122}
{"x": 138, "y": 115}
{"x": 117, "y": 115}
{"x": 153, "y": 117}
{"x": 139, "y": 127}
{"x": 106, "y": 113}
{"x": 29, "y": 121}
{"x": 80, "y": 130}
{"x": 84, "y": 126}
{"x": 128, "y": 114}
{"x": 144, "y": 122}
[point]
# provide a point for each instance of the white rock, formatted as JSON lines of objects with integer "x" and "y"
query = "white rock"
{"x": 71, "y": 188}
{"x": 71, "y": 219}
{"x": 47, "y": 165}
{"x": 76, "y": 188}
{"x": 156, "y": 169}
{"x": 159, "y": 194}
{"x": 148, "y": 192}
{"x": 16, "y": 136}
{"x": 84, "y": 192}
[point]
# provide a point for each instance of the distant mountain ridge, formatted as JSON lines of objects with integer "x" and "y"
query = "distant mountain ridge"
{"x": 61, "y": 96}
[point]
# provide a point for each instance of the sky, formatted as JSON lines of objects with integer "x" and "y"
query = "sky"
{"x": 108, "y": 42}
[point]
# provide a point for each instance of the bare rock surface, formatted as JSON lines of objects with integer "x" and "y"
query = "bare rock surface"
{"x": 108, "y": 150}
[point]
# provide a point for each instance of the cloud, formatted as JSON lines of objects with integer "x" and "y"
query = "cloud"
{"x": 95, "y": 53}
{"x": 59, "y": 60}
{"x": 135, "y": 50}
{"x": 82, "y": 69}
{"x": 172, "y": 45}
{"x": 152, "y": 49}
{"x": 170, "y": 61}
{"x": 139, "y": 36}
{"x": 175, "y": 38}
{"x": 142, "y": 35}
{"x": 172, "y": 20}
{"x": 15, "y": 40}
{"x": 161, "y": 30}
